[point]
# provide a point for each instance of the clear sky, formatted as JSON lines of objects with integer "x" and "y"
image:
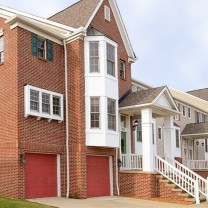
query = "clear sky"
{"x": 170, "y": 37}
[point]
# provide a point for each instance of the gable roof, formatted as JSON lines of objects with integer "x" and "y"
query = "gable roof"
{"x": 141, "y": 97}
{"x": 82, "y": 13}
{"x": 76, "y": 15}
{"x": 201, "y": 93}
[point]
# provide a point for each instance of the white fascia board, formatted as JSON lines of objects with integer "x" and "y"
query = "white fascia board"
{"x": 11, "y": 12}
{"x": 79, "y": 33}
{"x": 122, "y": 30}
{"x": 35, "y": 28}
{"x": 135, "y": 106}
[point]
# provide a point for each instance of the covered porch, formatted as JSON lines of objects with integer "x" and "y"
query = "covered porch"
{"x": 138, "y": 112}
{"x": 195, "y": 146}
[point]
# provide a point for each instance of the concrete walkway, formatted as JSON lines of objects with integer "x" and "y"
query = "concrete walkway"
{"x": 110, "y": 202}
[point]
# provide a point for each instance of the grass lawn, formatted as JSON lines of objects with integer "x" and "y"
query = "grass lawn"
{"x": 15, "y": 203}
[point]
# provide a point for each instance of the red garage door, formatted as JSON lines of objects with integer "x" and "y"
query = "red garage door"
{"x": 40, "y": 176}
{"x": 98, "y": 176}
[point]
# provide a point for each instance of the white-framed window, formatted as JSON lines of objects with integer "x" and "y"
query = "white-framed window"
{"x": 107, "y": 13}
{"x": 110, "y": 60}
{"x": 203, "y": 118}
{"x": 1, "y": 49}
{"x": 177, "y": 117}
{"x": 46, "y": 103}
{"x": 111, "y": 114}
{"x": 159, "y": 133}
{"x": 177, "y": 136}
{"x": 197, "y": 119}
{"x": 122, "y": 69}
{"x": 189, "y": 113}
{"x": 43, "y": 103}
{"x": 184, "y": 110}
{"x": 206, "y": 145}
{"x": 139, "y": 132}
{"x": 95, "y": 112}
{"x": 41, "y": 47}
{"x": 94, "y": 57}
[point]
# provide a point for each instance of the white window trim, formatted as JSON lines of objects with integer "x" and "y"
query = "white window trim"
{"x": 40, "y": 114}
{"x": 94, "y": 128}
{"x": 45, "y": 46}
{"x": 160, "y": 139}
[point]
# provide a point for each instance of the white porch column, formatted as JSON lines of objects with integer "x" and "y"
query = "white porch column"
{"x": 147, "y": 140}
{"x": 169, "y": 136}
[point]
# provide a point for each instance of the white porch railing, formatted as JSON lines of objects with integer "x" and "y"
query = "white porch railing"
{"x": 131, "y": 162}
{"x": 196, "y": 164}
{"x": 178, "y": 177}
{"x": 202, "y": 182}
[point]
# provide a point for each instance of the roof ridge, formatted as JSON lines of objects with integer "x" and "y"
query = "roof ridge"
{"x": 65, "y": 8}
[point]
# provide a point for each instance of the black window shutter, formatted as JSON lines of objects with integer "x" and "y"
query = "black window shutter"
{"x": 50, "y": 50}
{"x": 34, "y": 44}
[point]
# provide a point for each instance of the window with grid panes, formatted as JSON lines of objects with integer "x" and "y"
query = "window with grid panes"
{"x": 111, "y": 60}
{"x": 34, "y": 100}
{"x": 56, "y": 105}
{"x": 94, "y": 57}
{"x": 111, "y": 114}
{"x": 45, "y": 103}
{"x": 95, "y": 112}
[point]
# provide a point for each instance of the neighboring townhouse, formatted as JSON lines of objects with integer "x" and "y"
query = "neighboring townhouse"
{"x": 191, "y": 150}
{"x": 71, "y": 123}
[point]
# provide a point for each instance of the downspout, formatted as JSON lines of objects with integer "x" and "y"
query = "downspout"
{"x": 117, "y": 185}
{"x": 67, "y": 118}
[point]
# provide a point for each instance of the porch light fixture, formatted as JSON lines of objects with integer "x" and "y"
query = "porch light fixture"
{"x": 136, "y": 123}
{"x": 197, "y": 143}
{"x": 22, "y": 158}
{"x": 119, "y": 163}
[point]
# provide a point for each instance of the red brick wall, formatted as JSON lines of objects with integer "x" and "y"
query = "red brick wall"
{"x": 39, "y": 136}
{"x": 8, "y": 112}
{"x": 135, "y": 184}
{"x": 111, "y": 30}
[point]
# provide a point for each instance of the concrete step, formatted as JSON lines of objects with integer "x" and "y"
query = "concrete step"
{"x": 192, "y": 199}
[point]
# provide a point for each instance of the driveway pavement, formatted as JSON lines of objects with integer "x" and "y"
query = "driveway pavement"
{"x": 111, "y": 202}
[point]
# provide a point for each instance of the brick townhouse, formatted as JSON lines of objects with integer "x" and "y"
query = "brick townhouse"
{"x": 69, "y": 114}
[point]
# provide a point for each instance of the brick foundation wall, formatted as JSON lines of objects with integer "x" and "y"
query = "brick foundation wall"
{"x": 138, "y": 184}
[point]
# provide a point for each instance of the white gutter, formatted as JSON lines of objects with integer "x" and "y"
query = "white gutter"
{"x": 67, "y": 118}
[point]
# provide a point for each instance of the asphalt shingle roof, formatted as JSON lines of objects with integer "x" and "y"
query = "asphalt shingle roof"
{"x": 77, "y": 15}
{"x": 202, "y": 93}
{"x": 141, "y": 97}
{"x": 195, "y": 128}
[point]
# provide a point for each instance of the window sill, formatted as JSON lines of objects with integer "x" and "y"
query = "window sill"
{"x": 1, "y": 63}
{"x": 124, "y": 79}
{"x": 42, "y": 59}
